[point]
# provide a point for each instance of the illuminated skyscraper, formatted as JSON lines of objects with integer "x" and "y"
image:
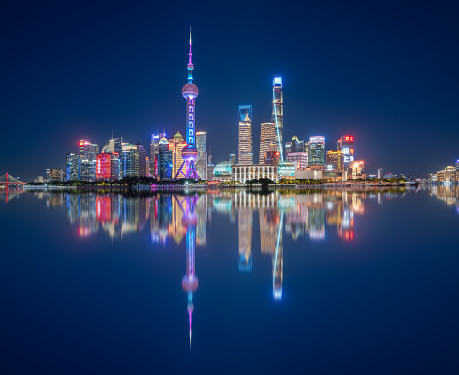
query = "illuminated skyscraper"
{"x": 232, "y": 158}
{"x": 154, "y": 150}
{"x": 268, "y": 136}
{"x": 245, "y": 146}
{"x": 201, "y": 161}
{"x": 271, "y": 156}
{"x": 294, "y": 146}
{"x": 277, "y": 116}
{"x": 88, "y": 155}
{"x": 189, "y": 152}
{"x": 316, "y": 154}
{"x": 176, "y": 145}
{"x": 129, "y": 160}
{"x": 116, "y": 147}
{"x": 72, "y": 167}
{"x": 334, "y": 158}
{"x": 104, "y": 166}
{"x": 141, "y": 164}
{"x": 346, "y": 146}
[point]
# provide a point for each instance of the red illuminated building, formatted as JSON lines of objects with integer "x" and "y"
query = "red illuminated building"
{"x": 104, "y": 166}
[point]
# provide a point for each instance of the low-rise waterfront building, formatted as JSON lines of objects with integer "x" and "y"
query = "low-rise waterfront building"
{"x": 243, "y": 173}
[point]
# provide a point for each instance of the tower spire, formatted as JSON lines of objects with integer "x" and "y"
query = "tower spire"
{"x": 190, "y": 66}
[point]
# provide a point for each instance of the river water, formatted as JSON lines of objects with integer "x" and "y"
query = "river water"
{"x": 314, "y": 281}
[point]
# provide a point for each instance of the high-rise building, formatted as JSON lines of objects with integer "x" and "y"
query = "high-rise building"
{"x": 245, "y": 146}
{"x": 176, "y": 145}
{"x": 201, "y": 161}
{"x": 334, "y": 158}
{"x": 277, "y": 116}
{"x": 316, "y": 152}
{"x": 72, "y": 167}
{"x": 154, "y": 149}
{"x": 268, "y": 137}
{"x": 380, "y": 173}
{"x": 232, "y": 158}
{"x": 115, "y": 166}
{"x": 346, "y": 146}
{"x": 271, "y": 156}
{"x": 88, "y": 155}
{"x": 104, "y": 166}
{"x": 129, "y": 160}
{"x": 116, "y": 145}
{"x": 189, "y": 153}
{"x": 294, "y": 146}
{"x": 141, "y": 162}
{"x": 163, "y": 161}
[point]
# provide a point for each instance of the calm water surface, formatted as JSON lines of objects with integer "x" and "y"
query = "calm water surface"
{"x": 326, "y": 282}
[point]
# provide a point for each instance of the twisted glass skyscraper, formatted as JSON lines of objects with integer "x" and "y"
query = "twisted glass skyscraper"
{"x": 277, "y": 116}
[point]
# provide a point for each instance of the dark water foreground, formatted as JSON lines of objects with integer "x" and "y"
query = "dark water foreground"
{"x": 319, "y": 282}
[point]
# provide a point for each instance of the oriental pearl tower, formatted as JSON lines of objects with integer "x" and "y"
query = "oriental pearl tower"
{"x": 189, "y": 152}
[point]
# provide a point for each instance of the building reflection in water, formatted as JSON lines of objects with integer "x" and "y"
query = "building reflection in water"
{"x": 187, "y": 206}
{"x": 304, "y": 214}
{"x": 181, "y": 217}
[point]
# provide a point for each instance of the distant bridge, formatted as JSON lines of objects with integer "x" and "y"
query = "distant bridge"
{"x": 7, "y": 180}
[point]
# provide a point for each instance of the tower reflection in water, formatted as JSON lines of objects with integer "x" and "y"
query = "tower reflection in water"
{"x": 179, "y": 217}
{"x": 176, "y": 217}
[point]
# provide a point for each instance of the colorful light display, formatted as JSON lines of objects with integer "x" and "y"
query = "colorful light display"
{"x": 189, "y": 152}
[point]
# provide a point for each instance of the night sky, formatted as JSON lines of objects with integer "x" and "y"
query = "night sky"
{"x": 385, "y": 72}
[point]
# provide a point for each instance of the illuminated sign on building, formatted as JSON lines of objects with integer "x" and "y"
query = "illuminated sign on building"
{"x": 278, "y": 81}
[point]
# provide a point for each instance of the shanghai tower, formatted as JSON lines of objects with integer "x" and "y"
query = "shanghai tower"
{"x": 189, "y": 152}
{"x": 277, "y": 117}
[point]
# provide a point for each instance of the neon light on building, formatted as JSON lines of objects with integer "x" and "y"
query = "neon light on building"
{"x": 189, "y": 152}
{"x": 104, "y": 166}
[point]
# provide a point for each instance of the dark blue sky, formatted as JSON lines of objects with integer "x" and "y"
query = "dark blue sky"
{"x": 385, "y": 72}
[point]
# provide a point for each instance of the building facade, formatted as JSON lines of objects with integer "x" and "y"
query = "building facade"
{"x": 176, "y": 144}
{"x": 55, "y": 175}
{"x": 243, "y": 173}
{"x": 201, "y": 161}
{"x": 271, "y": 156}
{"x": 268, "y": 136}
{"x": 245, "y": 145}
{"x": 104, "y": 166}
{"x": 334, "y": 158}
{"x": 298, "y": 159}
{"x": 316, "y": 151}
{"x": 88, "y": 155}
{"x": 295, "y": 146}
{"x": 129, "y": 160}
{"x": 346, "y": 146}
{"x": 141, "y": 162}
{"x": 72, "y": 167}
{"x": 277, "y": 116}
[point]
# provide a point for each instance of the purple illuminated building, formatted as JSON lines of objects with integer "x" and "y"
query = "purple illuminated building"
{"x": 189, "y": 152}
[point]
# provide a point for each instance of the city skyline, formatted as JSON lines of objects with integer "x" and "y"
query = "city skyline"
{"x": 389, "y": 93}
